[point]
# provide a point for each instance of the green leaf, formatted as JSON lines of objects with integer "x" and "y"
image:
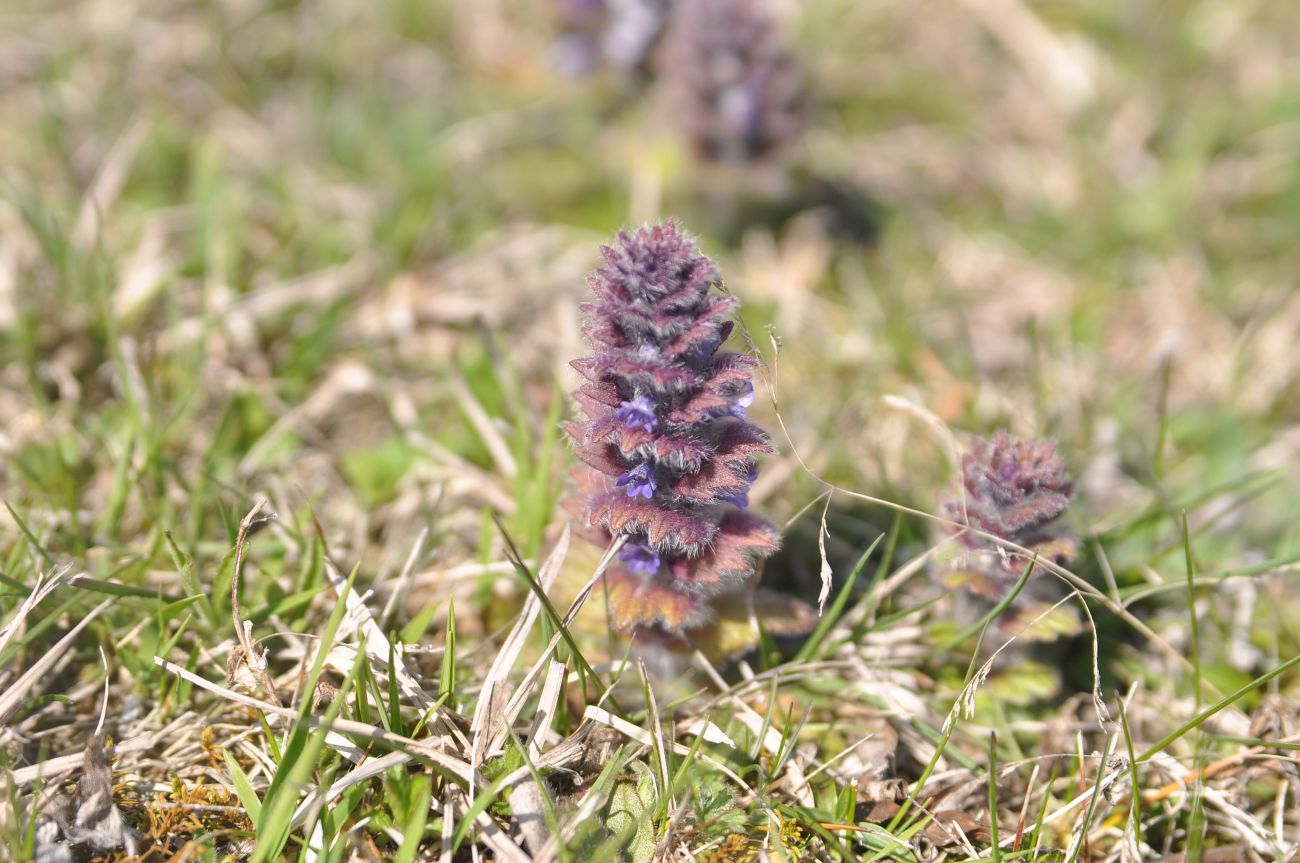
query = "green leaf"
{"x": 243, "y": 788}
{"x": 447, "y": 679}
{"x": 189, "y": 580}
{"x": 631, "y": 808}
{"x": 417, "y": 816}
{"x": 376, "y": 471}
{"x": 418, "y": 625}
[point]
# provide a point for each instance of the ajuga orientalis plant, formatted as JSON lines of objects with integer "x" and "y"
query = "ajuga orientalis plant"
{"x": 1011, "y": 491}
{"x": 670, "y": 453}
{"x": 737, "y": 91}
{"x": 599, "y": 34}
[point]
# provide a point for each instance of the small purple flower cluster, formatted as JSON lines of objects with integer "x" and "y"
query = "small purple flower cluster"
{"x": 738, "y": 91}
{"x": 1014, "y": 490}
{"x": 606, "y": 33}
{"x": 669, "y": 449}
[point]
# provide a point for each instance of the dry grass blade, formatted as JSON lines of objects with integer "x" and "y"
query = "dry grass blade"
{"x": 516, "y": 703}
{"x": 656, "y": 735}
{"x": 645, "y": 738}
{"x": 491, "y": 720}
{"x": 591, "y": 804}
{"x": 20, "y": 688}
{"x": 362, "y": 772}
{"x": 108, "y": 183}
{"x": 492, "y": 835}
{"x": 378, "y": 647}
{"x": 1047, "y": 60}
{"x": 44, "y": 586}
{"x": 526, "y": 810}
{"x": 53, "y": 768}
{"x": 826, "y": 575}
{"x": 448, "y": 826}
{"x": 548, "y": 701}
{"x": 422, "y": 749}
{"x": 402, "y": 588}
{"x": 247, "y": 662}
{"x": 487, "y": 431}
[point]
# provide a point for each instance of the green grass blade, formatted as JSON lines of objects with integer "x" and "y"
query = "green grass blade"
{"x": 243, "y": 787}
{"x": 1227, "y": 700}
{"x": 417, "y": 817}
{"x": 447, "y": 678}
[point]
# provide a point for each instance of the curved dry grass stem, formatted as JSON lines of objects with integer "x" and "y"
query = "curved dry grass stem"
{"x": 253, "y": 656}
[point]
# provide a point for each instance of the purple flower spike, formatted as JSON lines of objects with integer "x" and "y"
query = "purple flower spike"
{"x": 669, "y": 460}
{"x": 1014, "y": 492}
{"x": 1008, "y": 512}
{"x": 639, "y": 557}
{"x": 639, "y": 480}
{"x": 638, "y": 413}
{"x": 1015, "y": 489}
{"x": 738, "y": 92}
{"x": 596, "y": 34}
